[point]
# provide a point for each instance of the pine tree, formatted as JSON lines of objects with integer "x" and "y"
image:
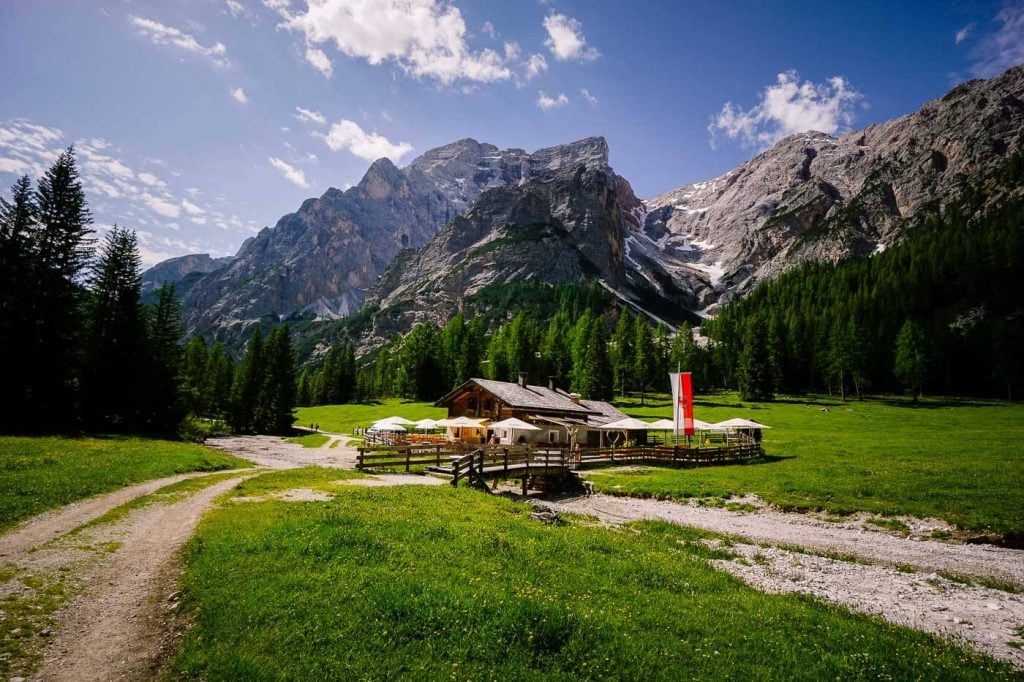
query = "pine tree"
{"x": 245, "y": 390}
{"x": 18, "y": 226}
{"x": 597, "y": 371}
{"x": 113, "y": 376}
{"x": 643, "y": 356}
{"x": 303, "y": 395}
{"x": 621, "y": 354}
{"x": 911, "y": 358}
{"x": 62, "y": 253}
{"x": 275, "y": 411}
{"x": 756, "y": 374}
{"x": 220, "y": 373}
{"x": 161, "y": 405}
{"x": 193, "y": 378}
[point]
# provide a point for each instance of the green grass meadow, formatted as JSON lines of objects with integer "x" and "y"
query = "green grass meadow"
{"x": 345, "y": 418}
{"x": 37, "y": 474}
{"x": 310, "y": 440}
{"x": 431, "y": 583}
{"x": 961, "y": 462}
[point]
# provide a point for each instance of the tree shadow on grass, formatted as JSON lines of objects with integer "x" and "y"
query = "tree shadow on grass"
{"x": 940, "y": 404}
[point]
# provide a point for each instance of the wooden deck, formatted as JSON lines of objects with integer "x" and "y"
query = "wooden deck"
{"x": 538, "y": 466}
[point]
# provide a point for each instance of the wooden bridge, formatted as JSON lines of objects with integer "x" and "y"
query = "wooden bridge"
{"x": 539, "y": 467}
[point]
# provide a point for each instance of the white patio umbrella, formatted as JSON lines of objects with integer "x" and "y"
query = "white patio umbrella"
{"x": 425, "y": 425}
{"x": 387, "y": 426}
{"x": 627, "y": 424}
{"x": 662, "y": 425}
{"x": 739, "y": 423}
{"x": 462, "y": 422}
{"x": 516, "y": 424}
{"x": 702, "y": 425}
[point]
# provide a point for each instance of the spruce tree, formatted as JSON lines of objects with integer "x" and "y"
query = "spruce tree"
{"x": 193, "y": 378}
{"x": 18, "y": 226}
{"x": 61, "y": 255}
{"x": 597, "y": 371}
{"x": 161, "y": 404}
{"x": 114, "y": 374}
{"x": 275, "y": 412}
{"x": 245, "y": 390}
{"x": 621, "y": 354}
{"x": 303, "y": 395}
{"x": 643, "y": 355}
{"x": 756, "y": 374}
{"x": 911, "y": 357}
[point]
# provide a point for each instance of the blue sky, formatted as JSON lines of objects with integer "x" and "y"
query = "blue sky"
{"x": 200, "y": 121}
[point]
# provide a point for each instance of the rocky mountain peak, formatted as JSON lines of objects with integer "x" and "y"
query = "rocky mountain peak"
{"x": 381, "y": 179}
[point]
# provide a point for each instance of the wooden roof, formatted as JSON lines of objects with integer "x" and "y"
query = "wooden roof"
{"x": 539, "y": 399}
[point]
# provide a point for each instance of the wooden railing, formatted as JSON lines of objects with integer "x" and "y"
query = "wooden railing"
{"x": 541, "y": 457}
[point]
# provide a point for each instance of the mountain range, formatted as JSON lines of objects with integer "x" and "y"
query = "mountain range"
{"x": 416, "y": 241}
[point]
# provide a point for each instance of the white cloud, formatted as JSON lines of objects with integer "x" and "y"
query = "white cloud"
{"x": 488, "y": 29}
{"x": 161, "y": 34}
{"x": 348, "y": 135}
{"x": 548, "y": 103}
{"x": 963, "y": 33}
{"x": 565, "y": 39}
{"x": 192, "y": 209}
{"x": 236, "y": 8}
{"x": 16, "y": 166}
{"x": 533, "y": 67}
{"x": 240, "y": 96}
{"x": 290, "y": 172}
{"x": 590, "y": 99}
{"x": 161, "y": 205}
{"x": 426, "y": 38}
{"x": 1004, "y": 48}
{"x": 320, "y": 61}
{"x": 151, "y": 180}
{"x": 312, "y": 158}
{"x": 307, "y": 116}
{"x": 512, "y": 51}
{"x": 789, "y": 107}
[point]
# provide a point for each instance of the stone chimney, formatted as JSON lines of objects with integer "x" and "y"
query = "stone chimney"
{"x": 575, "y": 398}
{"x": 551, "y": 383}
{"x": 522, "y": 379}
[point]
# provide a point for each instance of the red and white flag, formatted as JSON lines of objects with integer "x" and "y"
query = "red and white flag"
{"x": 682, "y": 403}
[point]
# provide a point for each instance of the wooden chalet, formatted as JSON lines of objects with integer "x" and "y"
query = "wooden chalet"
{"x": 561, "y": 418}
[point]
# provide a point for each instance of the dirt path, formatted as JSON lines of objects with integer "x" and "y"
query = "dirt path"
{"x": 51, "y": 524}
{"x": 802, "y": 530}
{"x": 989, "y": 620}
{"x": 277, "y": 453}
{"x": 118, "y": 628}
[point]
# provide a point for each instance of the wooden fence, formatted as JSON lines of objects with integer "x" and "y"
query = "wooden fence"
{"x": 444, "y": 455}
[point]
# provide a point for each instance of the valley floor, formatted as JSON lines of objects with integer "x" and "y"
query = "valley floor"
{"x": 93, "y": 587}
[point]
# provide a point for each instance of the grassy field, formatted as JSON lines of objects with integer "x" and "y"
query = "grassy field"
{"x": 345, "y": 418}
{"x": 427, "y": 583}
{"x": 37, "y": 474}
{"x": 310, "y": 440}
{"x": 962, "y": 462}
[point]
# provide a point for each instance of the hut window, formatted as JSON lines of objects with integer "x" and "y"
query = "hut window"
{"x": 472, "y": 403}
{"x": 552, "y": 436}
{"x": 488, "y": 404}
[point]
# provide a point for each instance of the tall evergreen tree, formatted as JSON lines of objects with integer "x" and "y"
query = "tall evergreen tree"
{"x": 756, "y": 374}
{"x": 911, "y": 357}
{"x": 61, "y": 255}
{"x": 248, "y": 383}
{"x": 621, "y": 351}
{"x": 194, "y": 378}
{"x": 275, "y": 411}
{"x": 113, "y": 375}
{"x": 18, "y": 225}
{"x": 597, "y": 370}
{"x": 643, "y": 356}
{"x": 161, "y": 405}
